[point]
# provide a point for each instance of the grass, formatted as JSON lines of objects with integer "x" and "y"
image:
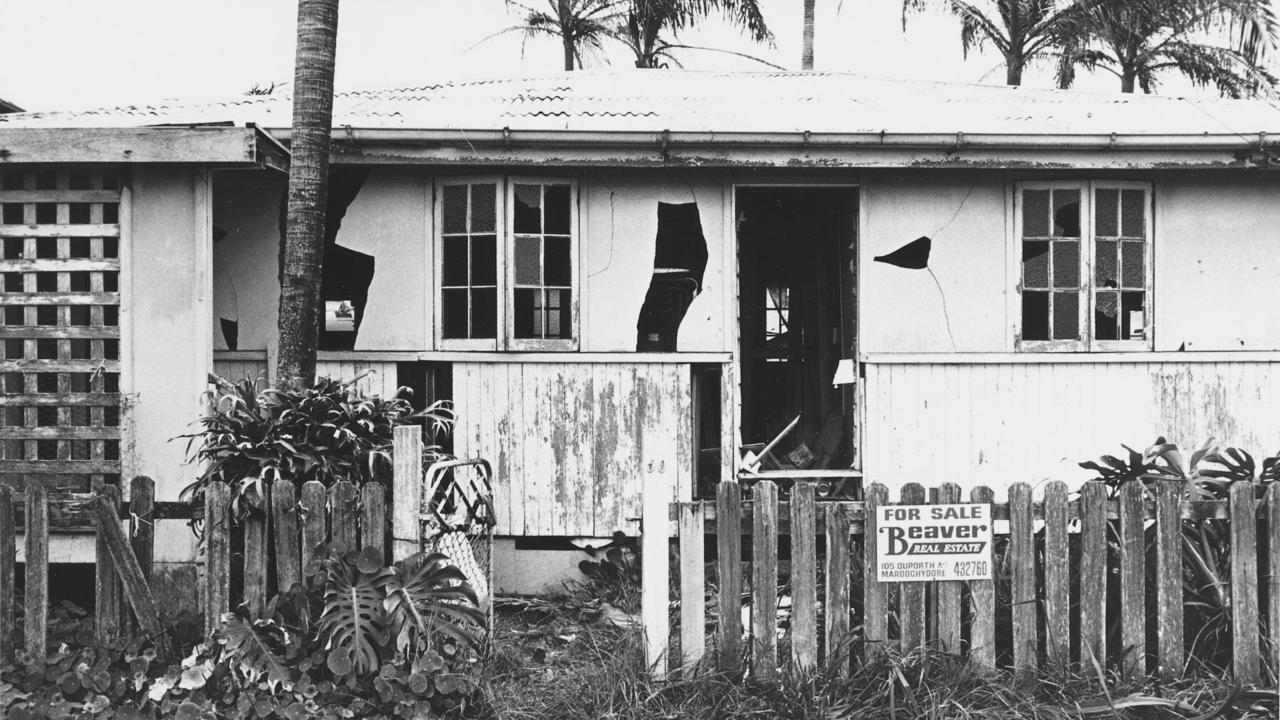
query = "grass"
{"x": 554, "y": 660}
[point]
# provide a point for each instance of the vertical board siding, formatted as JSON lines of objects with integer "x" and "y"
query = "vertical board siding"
{"x": 569, "y": 442}
{"x": 985, "y": 423}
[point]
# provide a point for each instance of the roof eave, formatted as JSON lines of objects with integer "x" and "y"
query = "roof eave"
{"x": 217, "y": 145}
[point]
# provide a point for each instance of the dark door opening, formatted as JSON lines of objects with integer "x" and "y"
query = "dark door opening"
{"x": 797, "y": 272}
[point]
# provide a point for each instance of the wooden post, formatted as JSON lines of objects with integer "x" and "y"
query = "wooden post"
{"x": 911, "y": 604}
{"x": 764, "y": 580}
{"x": 982, "y": 597}
{"x": 875, "y": 600}
{"x": 1244, "y": 585}
{"x": 1133, "y": 607}
{"x": 1273, "y": 582}
{"x": 949, "y": 592}
{"x": 36, "y": 597}
{"x": 315, "y": 504}
{"x": 106, "y": 591}
{"x": 106, "y": 520}
{"x": 693, "y": 609}
{"x": 655, "y": 589}
{"x": 373, "y": 517}
{"x": 8, "y": 556}
{"x": 729, "y": 571}
{"x": 217, "y": 553}
{"x": 804, "y": 578}
{"x": 1169, "y": 630}
{"x": 255, "y": 562}
{"x": 142, "y": 523}
{"x": 284, "y": 533}
{"x": 1057, "y": 577}
{"x": 343, "y": 530}
{"x": 1022, "y": 566}
{"x": 837, "y": 593}
{"x": 406, "y": 490}
{"x": 1093, "y": 576}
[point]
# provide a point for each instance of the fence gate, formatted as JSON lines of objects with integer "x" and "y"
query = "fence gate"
{"x": 59, "y": 372}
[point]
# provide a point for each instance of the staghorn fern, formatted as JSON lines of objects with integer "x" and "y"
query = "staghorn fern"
{"x": 248, "y": 648}
{"x": 427, "y": 597}
{"x": 353, "y": 623}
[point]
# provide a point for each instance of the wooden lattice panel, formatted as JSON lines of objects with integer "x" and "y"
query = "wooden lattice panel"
{"x": 59, "y": 326}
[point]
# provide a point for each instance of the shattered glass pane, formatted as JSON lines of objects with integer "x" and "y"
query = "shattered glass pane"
{"x": 557, "y": 209}
{"x": 484, "y": 215}
{"x": 1104, "y": 258}
{"x": 1035, "y": 263}
{"x": 1133, "y": 215}
{"x": 557, "y": 269}
{"x": 1131, "y": 315}
{"x": 528, "y": 313}
{"x": 1105, "y": 307}
{"x": 455, "y": 208}
{"x": 453, "y": 269}
{"x": 453, "y": 313}
{"x": 484, "y": 260}
{"x": 1066, "y": 213}
{"x": 1035, "y": 213}
{"x": 528, "y": 209}
{"x": 528, "y": 261}
{"x": 1132, "y": 265}
{"x": 1066, "y": 316}
{"x": 1066, "y": 264}
{"x": 484, "y": 313}
{"x": 559, "y": 314}
{"x": 1106, "y": 212}
{"x": 1035, "y": 316}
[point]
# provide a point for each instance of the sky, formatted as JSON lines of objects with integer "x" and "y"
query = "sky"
{"x": 67, "y": 54}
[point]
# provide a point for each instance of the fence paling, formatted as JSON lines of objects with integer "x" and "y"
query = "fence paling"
{"x": 106, "y": 588}
{"x": 8, "y": 557}
{"x": 1041, "y": 564}
{"x": 36, "y": 582}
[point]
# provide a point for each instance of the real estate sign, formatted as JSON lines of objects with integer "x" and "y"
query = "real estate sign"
{"x": 917, "y": 543}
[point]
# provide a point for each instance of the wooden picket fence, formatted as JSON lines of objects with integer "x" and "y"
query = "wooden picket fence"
{"x": 1058, "y": 560}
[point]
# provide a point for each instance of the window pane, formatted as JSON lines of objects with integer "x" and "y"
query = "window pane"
{"x": 1105, "y": 263}
{"x": 528, "y": 313}
{"x": 484, "y": 215}
{"x": 528, "y": 261}
{"x": 484, "y": 313}
{"x": 1035, "y": 263}
{"x": 1035, "y": 316}
{"x": 1132, "y": 265}
{"x": 1066, "y": 213}
{"x": 557, "y": 209}
{"x": 1134, "y": 219}
{"x": 557, "y": 268}
{"x": 453, "y": 313}
{"x": 1105, "y": 318}
{"x": 528, "y": 209}
{"x": 1106, "y": 210}
{"x": 1066, "y": 316}
{"x": 1131, "y": 315}
{"x": 454, "y": 263}
{"x": 559, "y": 314}
{"x": 1035, "y": 213}
{"x": 455, "y": 208}
{"x": 1066, "y": 264}
{"x": 484, "y": 260}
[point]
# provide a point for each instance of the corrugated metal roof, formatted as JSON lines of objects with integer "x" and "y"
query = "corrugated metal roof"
{"x": 715, "y": 102}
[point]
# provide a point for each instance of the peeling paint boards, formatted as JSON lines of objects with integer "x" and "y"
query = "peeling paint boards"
{"x": 571, "y": 440}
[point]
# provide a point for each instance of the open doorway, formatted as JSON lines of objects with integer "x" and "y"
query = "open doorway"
{"x": 797, "y": 295}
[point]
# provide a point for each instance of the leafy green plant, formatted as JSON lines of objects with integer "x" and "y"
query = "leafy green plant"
{"x": 250, "y": 438}
{"x": 613, "y": 573}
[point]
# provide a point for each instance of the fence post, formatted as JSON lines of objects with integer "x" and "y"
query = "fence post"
{"x": 1169, "y": 631}
{"x": 142, "y": 523}
{"x": 1022, "y": 568}
{"x": 837, "y": 596}
{"x": 1273, "y": 581}
{"x": 1244, "y": 584}
{"x": 729, "y": 572}
{"x": 36, "y": 582}
{"x": 255, "y": 561}
{"x": 284, "y": 533}
{"x": 106, "y": 519}
{"x": 982, "y": 597}
{"x": 804, "y": 578}
{"x": 764, "y": 580}
{"x": 373, "y": 517}
{"x": 1133, "y": 607}
{"x": 693, "y": 609}
{"x": 8, "y": 557}
{"x": 343, "y": 533}
{"x": 655, "y": 588}
{"x": 217, "y": 553}
{"x": 911, "y": 604}
{"x": 315, "y": 506}
{"x": 1093, "y": 575}
{"x": 875, "y": 601}
{"x": 948, "y": 612}
{"x": 106, "y": 591}
{"x": 406, "y": 490}
{"x": 1057, "y": 577}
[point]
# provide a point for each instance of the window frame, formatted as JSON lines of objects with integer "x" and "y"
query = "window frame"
{"x": 1088, "y": 285}
{"x": 504, "y": 225}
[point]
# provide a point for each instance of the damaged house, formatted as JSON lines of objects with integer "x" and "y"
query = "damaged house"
{"x": 650, "y": 281}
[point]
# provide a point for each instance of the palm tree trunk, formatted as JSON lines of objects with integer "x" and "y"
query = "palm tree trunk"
{"x": 806, "y": 56}
{"x": 566, "y": 39}
{"x": 1012, "y": 71}
{"x": 299, "y": 318}
{"x": 568, "y": 52}
{"x": 1127, "y": 80}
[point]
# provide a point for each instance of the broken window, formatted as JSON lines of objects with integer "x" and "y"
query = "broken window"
{"x": 1084, "y": 271}
{"x": 507, "y": 263}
